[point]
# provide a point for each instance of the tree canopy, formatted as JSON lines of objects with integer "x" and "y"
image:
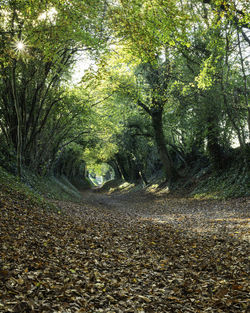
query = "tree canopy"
{"x": 169, "y": 84}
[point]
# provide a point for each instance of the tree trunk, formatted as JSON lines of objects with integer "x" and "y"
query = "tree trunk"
{"x": 246, "y": 93}
{"x": 167, "y": 162}
{"x": 214, "y": 149}
{"x": 115, "y": 166}
{"x": 19, "y": 122}
{"x": 122, "y": 167}
{"x": 143, "y": 177}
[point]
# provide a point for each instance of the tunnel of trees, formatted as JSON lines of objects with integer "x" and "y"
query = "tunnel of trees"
{"x": 164, "y": 87}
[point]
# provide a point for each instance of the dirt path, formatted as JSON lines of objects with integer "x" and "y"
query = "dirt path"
{"x": 134, "y": 253}
{"x": 201, "y": 216}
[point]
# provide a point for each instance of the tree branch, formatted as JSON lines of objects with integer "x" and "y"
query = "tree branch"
{"x": 76, "y": 137}
{"x": 142, "y": 105}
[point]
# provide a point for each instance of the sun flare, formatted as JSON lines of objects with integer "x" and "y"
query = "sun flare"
{"x": 20, "y": 46}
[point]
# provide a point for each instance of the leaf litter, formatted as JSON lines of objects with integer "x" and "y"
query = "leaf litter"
{"x": 131, "y": 252}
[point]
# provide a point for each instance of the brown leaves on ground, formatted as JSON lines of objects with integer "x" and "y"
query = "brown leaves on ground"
{"x": 124, "y": 253}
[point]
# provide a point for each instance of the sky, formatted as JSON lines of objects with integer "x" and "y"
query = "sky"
{"x": 83, "y": 63}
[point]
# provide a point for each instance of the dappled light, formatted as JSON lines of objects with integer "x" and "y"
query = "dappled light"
{"x": 49, "y": 15}
{"x": 203, "y": 224}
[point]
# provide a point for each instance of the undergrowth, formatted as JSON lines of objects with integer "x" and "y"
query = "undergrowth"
{"x": 36, "y": 189}
{"x": 57, "y": 188}
{"x": 14, "y": 190}
{"x": 233, "y": 183}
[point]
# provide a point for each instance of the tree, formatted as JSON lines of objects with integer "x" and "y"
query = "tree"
{"x": 39, "y": 41}
{"x": 149, "y": 30}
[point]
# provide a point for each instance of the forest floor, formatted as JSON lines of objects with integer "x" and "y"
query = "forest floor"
{"x": 131, "y": 252}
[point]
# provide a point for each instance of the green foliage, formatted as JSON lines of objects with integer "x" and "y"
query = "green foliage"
{"x": 171, "y": 86}
{"x": 149, "y": 26}
{"x": 39, "y": 44}
{"x": 18, "y": 191}
{"x": 33, "y": 188}
{"x": 205, "y": 78}
{"x": 233, "y": 183}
